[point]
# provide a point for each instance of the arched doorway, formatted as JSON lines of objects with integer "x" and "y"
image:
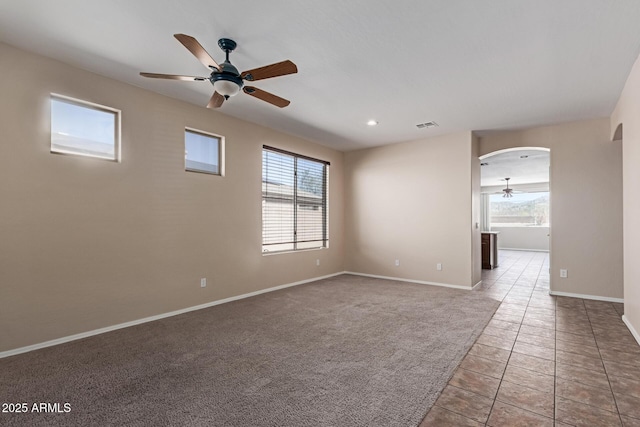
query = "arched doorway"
{"x": 515, "y": 202}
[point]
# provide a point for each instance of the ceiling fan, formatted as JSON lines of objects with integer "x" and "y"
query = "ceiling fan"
{"x": 507, "y": 191}
{"x": 225, "y": 78}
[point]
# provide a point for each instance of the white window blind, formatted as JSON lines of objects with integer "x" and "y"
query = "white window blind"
{"x": 294, "y": 201}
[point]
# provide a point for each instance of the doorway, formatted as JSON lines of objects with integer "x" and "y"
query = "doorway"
{"x": 516, "y": 199}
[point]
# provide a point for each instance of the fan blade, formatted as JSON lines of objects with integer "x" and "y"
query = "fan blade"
{"x": 173, "y": 77}
{"x": 274, "y": 70}
{"x": 215, "y": 101}
{"x": 197, "y": 50}
{"x": 266, "y": 96}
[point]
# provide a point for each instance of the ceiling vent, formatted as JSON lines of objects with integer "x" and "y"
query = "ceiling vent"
{"x": 426, "y": 125}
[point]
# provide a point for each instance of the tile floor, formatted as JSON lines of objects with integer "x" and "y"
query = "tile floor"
{"x": 543, "y": 360}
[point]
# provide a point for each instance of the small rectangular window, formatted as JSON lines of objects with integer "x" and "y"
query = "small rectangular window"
{"x": 202, "y": 152}
{"x": 84, "y": 129}
{"x": 294, "y": 201}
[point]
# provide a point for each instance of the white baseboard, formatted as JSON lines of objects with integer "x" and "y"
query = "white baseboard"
{"x": 69, "y": 338}
{"x": 476, "y": 285}
{"x": 633, "y": 331}
{"x": 420, "y": 282}
{"x": 593, "y": 297}
{"x": 525, "y": 250}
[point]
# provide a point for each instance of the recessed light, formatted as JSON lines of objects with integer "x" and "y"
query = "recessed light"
{"x": 372, "y": 122}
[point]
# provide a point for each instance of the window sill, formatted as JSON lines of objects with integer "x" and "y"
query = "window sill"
{"x": 293, "y": 252}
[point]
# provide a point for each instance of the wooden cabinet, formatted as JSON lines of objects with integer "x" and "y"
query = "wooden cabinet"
{"x": 489, "y": 249}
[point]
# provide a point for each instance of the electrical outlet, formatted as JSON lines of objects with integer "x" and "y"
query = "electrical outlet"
{"x": 439, "y": 266}
{"x": 563, "y": 273}
{"x": 317, "y": 262}
{"x": 397, "y": 262}
{"x": 203, "y": 282}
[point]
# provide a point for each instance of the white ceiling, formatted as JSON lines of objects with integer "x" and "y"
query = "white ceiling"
{"x": 522, "y": 166}
{"x": 466, "y": 64}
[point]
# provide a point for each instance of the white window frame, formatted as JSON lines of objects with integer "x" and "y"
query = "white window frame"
{"x": 296, "y": 244}
{"x": 221, "y": 151}
{"x": 89, "y": 105}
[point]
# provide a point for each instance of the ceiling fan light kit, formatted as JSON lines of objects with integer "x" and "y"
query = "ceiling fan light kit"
{"x": 225, "y": 78}
{"x": 226, "y": 88}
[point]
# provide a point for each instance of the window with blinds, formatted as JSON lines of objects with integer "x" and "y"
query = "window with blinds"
{"x": 294, "y": 201}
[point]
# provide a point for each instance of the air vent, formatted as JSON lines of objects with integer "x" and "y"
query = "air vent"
{"x": 426, "y": 125}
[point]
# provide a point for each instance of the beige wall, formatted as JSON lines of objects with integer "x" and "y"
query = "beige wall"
{"x": 523, "y": 238}
{"x": 476, "y": 235}
{"x": 412, "y": 202}
{"x": 87, "y": 243}
{"x": 627, "y": 113}
{"x": 586, "y": 203}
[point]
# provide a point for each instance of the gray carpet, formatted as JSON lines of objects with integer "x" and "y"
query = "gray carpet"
{"x": 345, "y": 351}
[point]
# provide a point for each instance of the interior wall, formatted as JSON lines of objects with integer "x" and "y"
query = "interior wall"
{"x": 476, "y": 212}
{"x": 523, "y": 238}
{"x": 88, "y": 243}
{"x": 627, "y": 113}
{"x": 411, "y": 202}
{"x": 586, "y": 203}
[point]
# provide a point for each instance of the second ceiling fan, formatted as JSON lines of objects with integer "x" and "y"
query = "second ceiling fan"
{"x": 507, "y": 191}
{"x": 226, "y": 79}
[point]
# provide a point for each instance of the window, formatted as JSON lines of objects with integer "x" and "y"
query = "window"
{"x": 84, "y": 129}
{"x": 522, "y": 210}
{"x": 294, "y": 201}
{"x": 202, "y": 152}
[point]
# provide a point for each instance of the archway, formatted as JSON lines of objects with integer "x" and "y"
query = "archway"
{"x": 617, "y": 134}
{"x": 515, "y": 202}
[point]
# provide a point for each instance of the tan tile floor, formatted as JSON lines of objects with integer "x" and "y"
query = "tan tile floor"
{"x": 543, "y": 360}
